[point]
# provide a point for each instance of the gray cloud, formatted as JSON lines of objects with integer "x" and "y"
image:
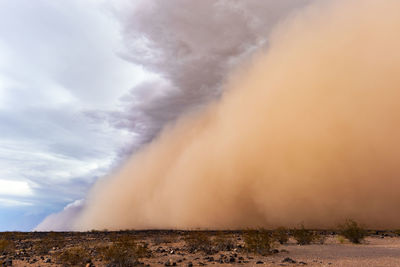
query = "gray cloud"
{"x": 191, "y": 46}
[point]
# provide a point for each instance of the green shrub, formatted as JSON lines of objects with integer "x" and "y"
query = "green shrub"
{"x": 75, "y": 256}
{"x": 352, "y": 231}
{"x": 258, "y": 241}
{"x": 304, "y": 236}
{"x": 281, "y": 234}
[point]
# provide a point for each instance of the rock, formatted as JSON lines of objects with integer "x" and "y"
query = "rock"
{"x": 210, "y": 259}
{"x": 48, "y": 260}
{"x": 259, "y": 262}
{"x": 170, "y": 262}
{"x": 190, "y": 264}
{"x": 289, "y": 260}
{"x": 232, "y": 259}
{"x": 302, "y": 263}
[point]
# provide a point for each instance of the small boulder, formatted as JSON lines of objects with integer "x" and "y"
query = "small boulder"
{"x": 289, "y": 260}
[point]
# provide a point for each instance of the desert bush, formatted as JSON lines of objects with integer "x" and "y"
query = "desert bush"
{"x": 281, "y": 234}
{"x": 304, "y": 236}
{"x": 163, "y": 239}
{"x": 75, "y": 256}
{"x": 341, "y": 239}
{"x": 258, "y": 241}
{"x": 6, "y": 246}
{"x": 124, "y": 252}
{"x": 44, "y": 245}
{"x": 352, "y": 231}
{"x": 198, "y": 241}
{"x": 223, "y": 242}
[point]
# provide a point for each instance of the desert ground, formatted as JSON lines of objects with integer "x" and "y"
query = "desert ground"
{"x": 198, "y": 248}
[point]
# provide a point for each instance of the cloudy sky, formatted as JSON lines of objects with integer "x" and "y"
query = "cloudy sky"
{"x": 59, "y": 68}
{"x": 84, "y": 84}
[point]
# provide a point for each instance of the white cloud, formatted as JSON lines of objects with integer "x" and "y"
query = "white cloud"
{"x": 15, "y": 188}
{"x": 5, "y": 202}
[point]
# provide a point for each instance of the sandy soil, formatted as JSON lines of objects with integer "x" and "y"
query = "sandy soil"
{"x": 168, "y": 248}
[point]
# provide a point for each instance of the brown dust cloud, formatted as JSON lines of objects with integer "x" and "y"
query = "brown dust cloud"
{"x": 307, "y": 131}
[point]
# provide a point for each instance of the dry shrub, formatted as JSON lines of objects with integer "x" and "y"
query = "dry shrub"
{"x": 124, "y": 251}
{"x": 163, "y": 239}
{"x": 75, "y": 256}
{"x": 281, "y": 234}
{"x": 258, "y": 241}
{"x": 305, "y": 237}
{"x": 198, "y": 241}
{"x": 223, "y": 242}
{"x": 6, "y": 246}
{"x": 352, "y": 231}
{"x": 43, "y": 246}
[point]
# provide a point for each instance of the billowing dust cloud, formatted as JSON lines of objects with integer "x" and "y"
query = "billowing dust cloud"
{"x": 307, "y": 131}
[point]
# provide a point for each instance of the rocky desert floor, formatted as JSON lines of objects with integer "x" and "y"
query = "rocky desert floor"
{"x": 197, "y": 248}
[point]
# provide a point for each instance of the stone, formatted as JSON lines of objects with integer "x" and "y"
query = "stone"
{"x": 289, "y": 260}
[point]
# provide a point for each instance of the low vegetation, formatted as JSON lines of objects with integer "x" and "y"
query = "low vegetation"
{"x": 258, "y": 241}
{"x": 198, "y": 241}
{"x": 6, "y": 246}
{"x": 223, "y": 242}
{"x": 352, "y": 231}
{"x": 47, "y": 243}
{"x": 281, "y": 234}
{"x": 124, "y": 251}
{"x": 75, "y": 256}
{"x": 305, "y": 236}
